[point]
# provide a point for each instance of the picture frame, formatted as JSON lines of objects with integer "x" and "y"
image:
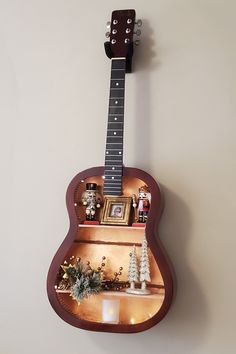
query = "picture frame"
{"x": 116, "y": 211}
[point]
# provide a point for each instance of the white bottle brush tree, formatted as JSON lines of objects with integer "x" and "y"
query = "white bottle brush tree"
{"x": 144, "y": 267}
{"x": 133, "y": 269}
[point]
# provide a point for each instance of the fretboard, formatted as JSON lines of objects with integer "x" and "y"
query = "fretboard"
{"x": 115, "y": 130}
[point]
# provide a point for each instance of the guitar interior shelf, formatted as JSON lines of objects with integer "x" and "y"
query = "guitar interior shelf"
{"x": 91, "y": 243}
{"x": 115, "y": 242}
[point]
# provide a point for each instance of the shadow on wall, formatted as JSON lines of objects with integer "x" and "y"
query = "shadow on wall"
{"x": 145, "y": 60}
{"x": 185, "y": 325}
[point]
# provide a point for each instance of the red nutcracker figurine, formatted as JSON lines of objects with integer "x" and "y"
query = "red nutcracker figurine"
{"x": 142, "y": 204}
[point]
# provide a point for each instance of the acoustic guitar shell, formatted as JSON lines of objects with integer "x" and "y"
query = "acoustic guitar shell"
{"x": 61, "y": 306}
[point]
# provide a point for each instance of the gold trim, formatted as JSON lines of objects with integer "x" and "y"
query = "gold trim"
{"x": 109, "y": 219}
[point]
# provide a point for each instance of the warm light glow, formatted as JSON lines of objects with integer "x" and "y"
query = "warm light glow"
{"x": 110, "y": 311}
{"x": 150, "y": 315}
{"x": 103, "y": 177}
{"x": 132, "y": 320}
{"x": 82, "y": 180}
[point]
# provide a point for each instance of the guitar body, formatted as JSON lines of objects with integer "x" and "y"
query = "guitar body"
{"x": 114, "y": 213}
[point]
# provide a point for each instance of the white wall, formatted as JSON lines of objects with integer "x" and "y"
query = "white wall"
{"x": 180, "y": 127}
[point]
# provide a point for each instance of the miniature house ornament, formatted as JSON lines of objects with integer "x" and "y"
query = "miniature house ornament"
{"x": 92, "y": 200}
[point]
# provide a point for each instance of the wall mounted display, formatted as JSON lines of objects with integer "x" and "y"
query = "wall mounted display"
{"x": 110, "y": 273}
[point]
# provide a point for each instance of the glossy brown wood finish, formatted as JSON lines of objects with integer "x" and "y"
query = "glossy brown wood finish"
{"x": 120, "y": 24}
{"x": 153, "y": 241}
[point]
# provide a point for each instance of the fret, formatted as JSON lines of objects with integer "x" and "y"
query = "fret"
{"x": 115, "y": 134}
{"x": 116, "y": 101}
{"x": 112, "y": 136}
{"x": 112, "y": 163}
{"x": 113, "y": 169}
{"x": 118, "y": 64}
{"x": 109, "y": 174}
{"x": 116, "y": 182}
{"x": 112, "y": 193}
{"x": 115, "y": 119}
{"x": 116, "y": 114}
{"x": 117, "y": 83}
{"x": 109, "y": 178}
{"x": 117, "y": 106}
{"x": 114, "y": 140}
{"x": 117, "y": 169}
{"x": 113, "y": 159}
{"x": 115, "y": 150}
{"x": 116, "y": 110}
{"x": 118, "y": 94}
{"x": 107, "y": 162}
{"x": 113, "y": 189}
{"x": 115, "y": 126}
{"x": 109, "y": 146}
{"x": 117, "y": 75}
{"x": 112, "y": 153}
{"x": 111, "y": 183}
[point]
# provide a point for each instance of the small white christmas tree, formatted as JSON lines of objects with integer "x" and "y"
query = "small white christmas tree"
{"x": 144, "y": 267}
{"x": 133, "y": 271}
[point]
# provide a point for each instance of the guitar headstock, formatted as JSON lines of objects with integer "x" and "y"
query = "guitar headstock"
{"x": 121, "y": 34}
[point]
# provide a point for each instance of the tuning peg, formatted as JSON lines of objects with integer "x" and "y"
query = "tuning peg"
{"x": 108, "y": 24}
{"x": 138, "y": 32}
{"x": 107, "y": 34}
{"x": 137, "y": 41}
{"x": 139, "y": 23}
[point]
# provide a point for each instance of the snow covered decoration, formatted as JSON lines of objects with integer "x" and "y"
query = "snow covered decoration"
{"x": 144, "y": 267}
{"x": 133, "y": 272}
{"x": 144, "y": 270}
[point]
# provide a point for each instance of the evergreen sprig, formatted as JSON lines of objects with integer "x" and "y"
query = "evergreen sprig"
{"x": 86, "y": 282}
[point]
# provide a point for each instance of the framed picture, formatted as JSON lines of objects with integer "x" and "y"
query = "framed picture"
{"x": 116, "y": 211}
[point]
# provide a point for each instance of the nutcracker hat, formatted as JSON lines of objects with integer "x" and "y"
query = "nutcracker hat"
{"x": 144, "y": 189}
{"x": 91, "y": 186}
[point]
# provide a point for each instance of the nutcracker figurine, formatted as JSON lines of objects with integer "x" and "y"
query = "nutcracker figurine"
{"x": 92, "y": 200}
{"x": 142, "y": 204}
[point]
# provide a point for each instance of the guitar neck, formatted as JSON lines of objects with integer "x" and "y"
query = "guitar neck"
{"x": 115, "y": 129}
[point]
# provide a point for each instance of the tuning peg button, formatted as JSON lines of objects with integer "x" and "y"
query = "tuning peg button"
{"x": 107, "y": 34}
{"x": 108, "y": 24}
{"x": 139, "y": 23}
{"x": 137, "y": 41}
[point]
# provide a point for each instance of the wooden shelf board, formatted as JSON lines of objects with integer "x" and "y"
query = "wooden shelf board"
{"x": 113, "y": 227}
{"x": 120, "y": 294}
